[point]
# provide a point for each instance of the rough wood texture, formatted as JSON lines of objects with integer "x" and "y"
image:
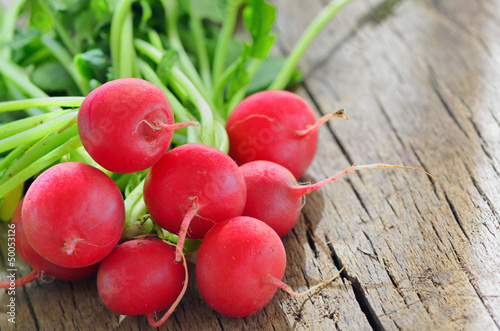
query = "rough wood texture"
{"x": 420, "y": 82}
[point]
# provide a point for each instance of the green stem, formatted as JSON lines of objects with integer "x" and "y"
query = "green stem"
{"x": 13, "y": 155}
{"x": 230, "y": 17}
{"x": 179, "y": 139}
{"x": 15, "y": 75}
{"x": 138, "y": 210}
{"x": 171, "y": 13}
{"x": 38, "y": 150}
{"x": 241, "y": 93}
{"x": 8, "y": 25}
{"x": 35, "y": 133}
{"x": 206, "y": 116}
{"x": 201, "y": 50}
{"x": 126, "y": 66}
{"x": 149, "y": 50}
{"x": 226, "y": 75}
{"x": 41, "y": 102}
{"x": 39, "y": 165}
{"x": 321, "y": 19}
{"x": 223, "y": 138}
{"x": 155, "y": 40}
{"x": 132, "y": 199}
{"x": 27, "y": 123}
{"x": 123, "y": 8}
{"x": 16, "y": 94}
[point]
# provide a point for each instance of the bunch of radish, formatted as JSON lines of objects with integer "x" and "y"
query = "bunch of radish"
{"x": 167, "y": 154}
{"x": 73, "y": 220}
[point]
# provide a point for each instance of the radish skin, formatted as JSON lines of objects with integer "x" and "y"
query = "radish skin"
{"x": 41, "y": 267}
{"x": 140, "y": 277}
{"x": 192, "y": 188}
{"x": 235, "y": 261}
{"x": 127, "y": 124}
{"x": 277, "y": 126}
{"x": 73, "y": 215}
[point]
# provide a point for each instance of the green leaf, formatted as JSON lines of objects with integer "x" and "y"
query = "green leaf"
{"x": 39, "y": 18}
{"x": 258, "y": 17}
{"x": 25, "y": 43}
{"x": 209, "y": 10}
{"x": 85, "y": 24}
{"x": 100, "y": 8}
{"x": 92, "y": 64}
{"x": 240, "y": 78}
{"x": 51, "y": 76}
{"x": 266, "y": 73}
{"x": 65, "y": 5}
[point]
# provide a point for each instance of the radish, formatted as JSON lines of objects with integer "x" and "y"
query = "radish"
{"x": 191, "y": 188}
{"x": 140, "y": 277}
{"x": 41, "y": 267}
{"x": 277, "y": 126}
{"x": 239, "y": 267}
{"x": 126, "y": 124}
{"x": 73, "y": 214}
{"x": 275, "y": 197}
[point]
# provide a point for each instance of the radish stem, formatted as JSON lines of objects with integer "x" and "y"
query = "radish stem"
{"x": 169, "y": 312}
{"x": 23, "y": 280}
{"x": 303, "y": 190}
{"x": 40, "y": 102}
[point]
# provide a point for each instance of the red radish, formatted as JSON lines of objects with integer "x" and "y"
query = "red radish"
{"x": 239, "y": 267}
{"x": 275, "y": 197}
{"x": 73, "y": 214}
{"x": 140, "y": 277}
{"x": 126, "y": 124}
{"x": 191, "y": 188}
{"x": 235, "y": 263}
{"x": 41, "y": 267}
{"x": 277, "y": 126}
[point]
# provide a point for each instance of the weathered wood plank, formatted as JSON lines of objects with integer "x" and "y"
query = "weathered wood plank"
{"x": 420, "y": 88}
{"x": 420, "y": 82}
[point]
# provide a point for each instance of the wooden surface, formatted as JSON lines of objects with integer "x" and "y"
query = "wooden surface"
{"x": 420, "y": 82}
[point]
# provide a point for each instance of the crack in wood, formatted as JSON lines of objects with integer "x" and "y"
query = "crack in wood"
{"x": 310, "y": 235}
{"x": 30, "y": 308}
{"x": 386, "y": 116}
{"x": 433, "y": 85}
{"x": 220, "y": 322}
{"x": 175, "y": 316}
{"x": 304, "y": 275}
{"x": 432, "y": 182}
{"x": 455, "y": 215}
{"x": 371, "y": 244}
{"x": 359, "y": 293}
{"x": 482, "y": 193}
{"x": 470, "y": 279}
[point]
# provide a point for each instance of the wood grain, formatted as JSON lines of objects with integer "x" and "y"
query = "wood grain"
{"x": 420, "y": 82}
